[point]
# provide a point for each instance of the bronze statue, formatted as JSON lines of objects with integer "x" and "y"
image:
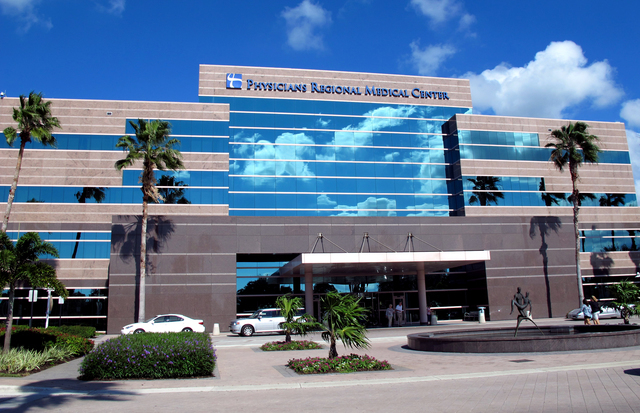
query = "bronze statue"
{"x": 522, "y": 302}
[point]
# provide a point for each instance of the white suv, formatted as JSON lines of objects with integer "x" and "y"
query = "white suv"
{"x": 267, "y": 320}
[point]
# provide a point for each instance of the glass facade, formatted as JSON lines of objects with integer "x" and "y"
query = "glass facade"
{"x": 84, "y": 306}
{"x": 85, "y": 244}
{"x": 320, "y": 158}
{"x": 449, "y": 292}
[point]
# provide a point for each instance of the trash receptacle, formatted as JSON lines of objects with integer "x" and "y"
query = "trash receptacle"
{"x": 434, "y": 319}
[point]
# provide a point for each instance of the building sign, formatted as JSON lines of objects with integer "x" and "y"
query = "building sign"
{"x": 234, "y": 81}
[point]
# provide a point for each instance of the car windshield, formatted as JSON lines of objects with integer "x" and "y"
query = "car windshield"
{"x": 151, "y": 319}
{"x": 255, "y": 315}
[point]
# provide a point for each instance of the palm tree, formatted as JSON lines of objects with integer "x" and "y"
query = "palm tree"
{"x": 155, "y": 149}
{"x": 612, "y": 200}
{"x": 485, "y": 190}
{"x": 87, "y": 192}
{"x": 343, "y": 319}
{"x": 20, "y": 262}
{"x": 574, "y": 145}
{"x": 34, "y": 122}
{"x": 289, "y": 307}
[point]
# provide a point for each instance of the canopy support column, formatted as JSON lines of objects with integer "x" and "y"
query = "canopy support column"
{"x": 422, "y": 294}
{"x": 308, "y": 289}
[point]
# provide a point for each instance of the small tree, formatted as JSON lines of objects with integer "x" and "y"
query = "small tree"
{"x": 21, "y": 263}
{"x": 627, "y": 296}
{"x": 343, "y": 319}
{"x": 34, "y": 122}
{"x": 302, "y": 325}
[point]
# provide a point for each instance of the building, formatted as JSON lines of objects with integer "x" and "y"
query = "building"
{"x": 307, "y": 181}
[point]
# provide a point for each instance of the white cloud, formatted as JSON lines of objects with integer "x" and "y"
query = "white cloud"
{"x": 466, "y": 21}
{"x": 325, "y": 201}
{"x": 303, "y": 22}
{"x": 633, "y": 139}
{"x": 429, "y": 59}
{"x": 556, "y": 80}
{"x": 25, "y": 13}
{"x": 631, "y": 113}
{"x": 438, "y": 11}
{"x": 115, "y": 7}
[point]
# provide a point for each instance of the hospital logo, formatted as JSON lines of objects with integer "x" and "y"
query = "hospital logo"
{"x": 234, "y": 81}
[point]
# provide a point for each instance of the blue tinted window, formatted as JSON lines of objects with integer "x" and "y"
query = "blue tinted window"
{"x": 112, "y": 195}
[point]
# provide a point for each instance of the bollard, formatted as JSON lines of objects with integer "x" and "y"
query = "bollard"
{"x": 481, "y": 318}
{"x": 216, "y": 329}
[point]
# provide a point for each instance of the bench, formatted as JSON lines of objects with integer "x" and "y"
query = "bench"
{"x": 471, "y": 316}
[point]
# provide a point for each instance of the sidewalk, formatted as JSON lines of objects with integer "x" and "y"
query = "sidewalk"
{"x": 241, "y": 367}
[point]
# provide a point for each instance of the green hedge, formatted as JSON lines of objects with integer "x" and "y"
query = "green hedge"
{"x": 151, "y": 356}
{"x": 80, "y": 331}
{"x": 39, "y": 339}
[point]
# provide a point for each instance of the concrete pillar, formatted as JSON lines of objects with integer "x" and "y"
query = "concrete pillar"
{"x": 422, "y": 294}
{"x": 308, "y": 289}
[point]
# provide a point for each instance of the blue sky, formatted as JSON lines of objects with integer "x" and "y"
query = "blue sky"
{"x": 560, "y": 59}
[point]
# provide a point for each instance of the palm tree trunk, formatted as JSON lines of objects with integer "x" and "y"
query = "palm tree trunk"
{"x": 7, "y": 334}
{"x": 333, "y": 352}
{"x": 575, "y": 194}
{"x": 143, "y": 261}
{"x": 14, "y": 185}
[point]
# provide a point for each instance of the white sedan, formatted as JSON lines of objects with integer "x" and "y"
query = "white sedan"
{"x": 165, "y": 323}
{"x": 605, "y": 312}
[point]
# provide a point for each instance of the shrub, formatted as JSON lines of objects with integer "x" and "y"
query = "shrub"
{"x": 39, "y": 339}
{"x": 150, "y": 356}
{"x": 25, "y": 361}
{"x": 80, "y": 331}
{"x": 292, "y": 345}
{"x": 343, "y": 364}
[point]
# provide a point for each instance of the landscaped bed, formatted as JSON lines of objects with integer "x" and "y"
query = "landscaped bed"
{"x": 36, "y": 349}
{"x": 292, "y": 345}
{"x": 151, "y": 356}
{"x": 343, "y": 364}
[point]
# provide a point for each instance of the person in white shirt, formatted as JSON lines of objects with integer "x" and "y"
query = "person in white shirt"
{"x": 399, "y": 313}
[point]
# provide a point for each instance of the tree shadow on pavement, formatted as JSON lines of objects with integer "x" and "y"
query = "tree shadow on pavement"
{"x": 56, "y": 393}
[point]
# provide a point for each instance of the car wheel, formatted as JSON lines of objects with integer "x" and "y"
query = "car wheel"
{"x": 247, "y": 331}
{"x": 138, "y": 331}
{"x": 187, "y": 330}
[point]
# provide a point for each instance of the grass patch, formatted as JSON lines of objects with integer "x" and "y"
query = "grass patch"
{"x": 343, "y": 364}
{"x": 292, "y": 345}
{"x": 150, "y": 356}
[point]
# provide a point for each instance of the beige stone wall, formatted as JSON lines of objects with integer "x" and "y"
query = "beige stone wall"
{"x": 91, "y": 116}
{"x": 213, "y": 83}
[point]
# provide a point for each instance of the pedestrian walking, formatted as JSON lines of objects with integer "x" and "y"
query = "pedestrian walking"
{"x": 586, "y": 311}
{"x": 389, "y": 314}
{"x": 595, "y": 310}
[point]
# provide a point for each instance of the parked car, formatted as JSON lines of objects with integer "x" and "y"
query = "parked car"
{"x": 165, "y": 323}
{"x": 267, "y": 320}
{"x": 606, "y": 312}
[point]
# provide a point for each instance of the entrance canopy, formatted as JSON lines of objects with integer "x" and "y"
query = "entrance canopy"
{"x": 383, "y": 263}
